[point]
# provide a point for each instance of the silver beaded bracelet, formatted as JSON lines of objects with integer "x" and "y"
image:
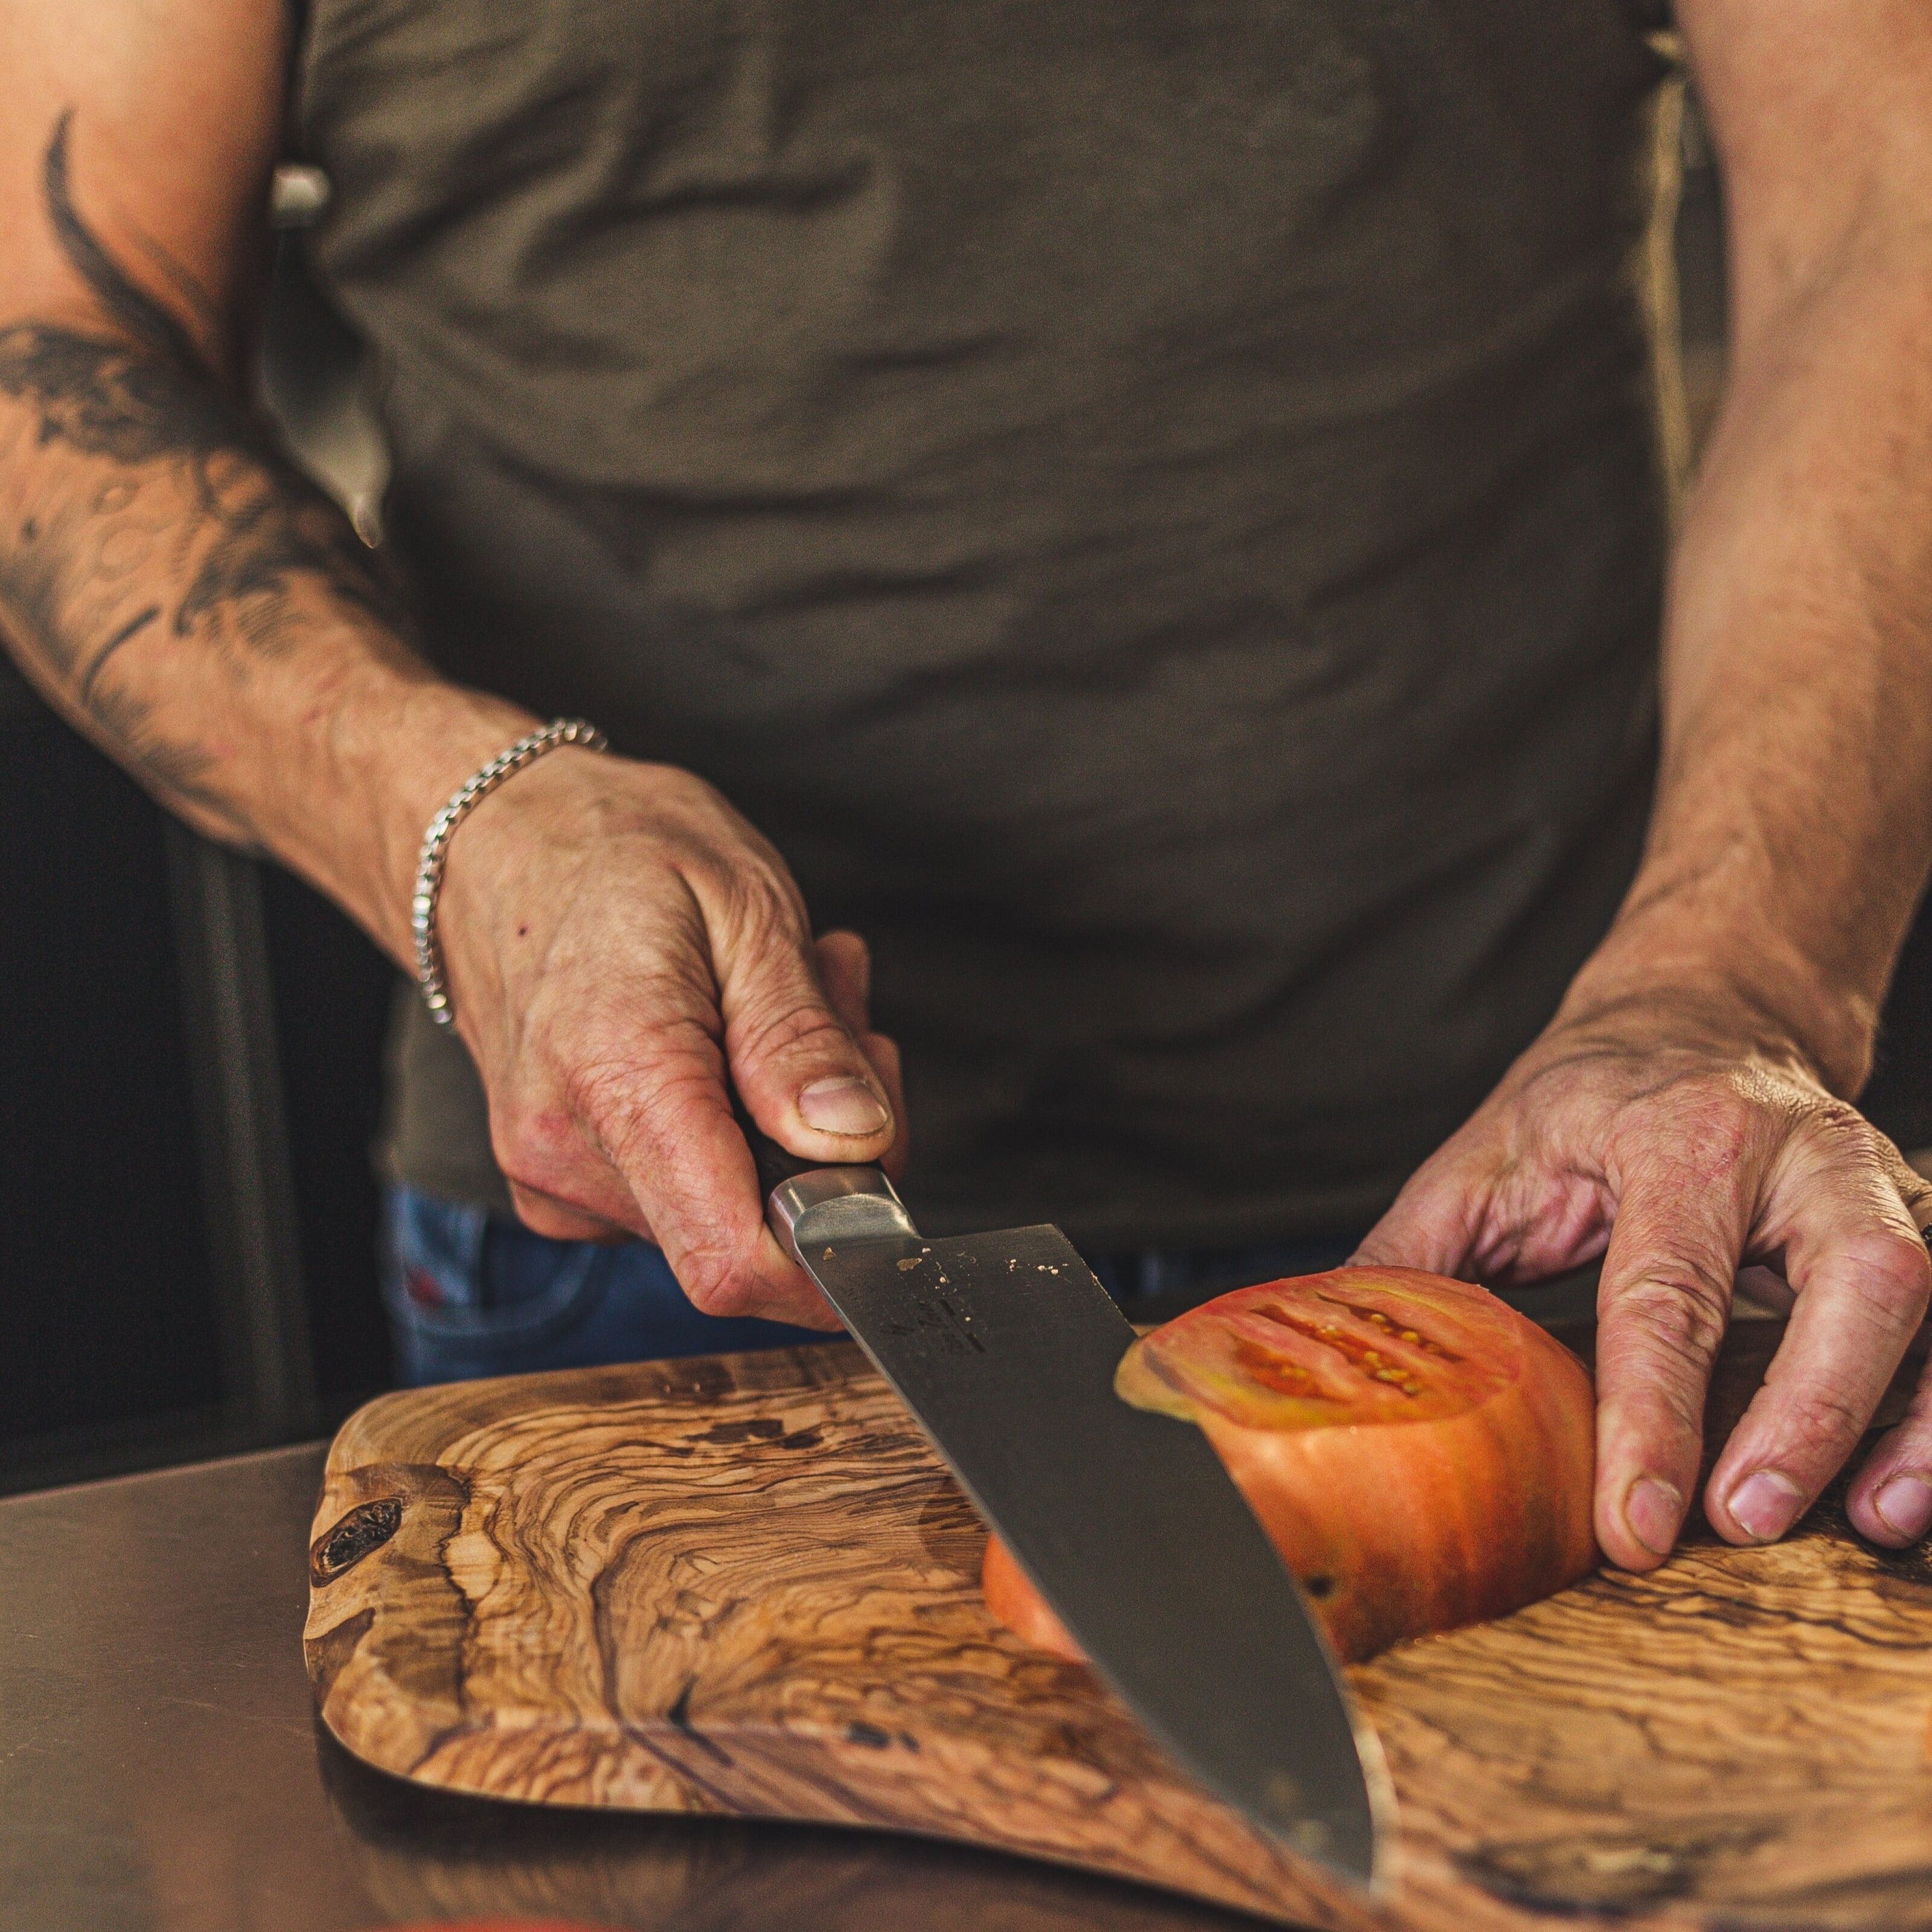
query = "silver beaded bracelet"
{"x": 463, "y": 801}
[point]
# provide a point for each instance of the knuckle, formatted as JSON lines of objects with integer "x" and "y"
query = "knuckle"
{"x": 535, "y": 1145}
{"x": 626, "y": 1069}
{"x": 715, "y": 1282}
{"x": 802, "y": 1029}
{"x": 1684, "y": 1300}
{"x": 639, "y": 1116}
{"x": 760, "y": 910}
{"x": 1721, "y": 1126}
{"x": 1893, "y": 1272}
{"x": 1824, "y": 1418}
{"x": 1876, "y": 1272}
{"x": 1917, "y": 1195}
{"x": 606, "y": 1109}
{"x": 601, "y": 1091}
{"x": 1832, "y": 1137}
{"x": 1660, "y": 1387}
{"x": 1839, "y": 1124}
{"x": 628, "y": 1108}
{"x": 1677, "y": 1317}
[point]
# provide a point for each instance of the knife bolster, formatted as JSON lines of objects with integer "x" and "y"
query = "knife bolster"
{"x": 827, "y": 1205}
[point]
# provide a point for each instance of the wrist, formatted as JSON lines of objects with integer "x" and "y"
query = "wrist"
{"x": 403, "y": 756}
{"x": 511, "y": 865}
{"x": 559, "y": 735}
{"x": 1728, "y": 993}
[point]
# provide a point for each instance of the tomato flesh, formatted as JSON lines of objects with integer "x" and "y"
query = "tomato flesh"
{"x": 1421, "y": 1455}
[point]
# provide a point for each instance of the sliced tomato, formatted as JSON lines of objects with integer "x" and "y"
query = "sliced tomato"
{"x": 1421, "y": 1455}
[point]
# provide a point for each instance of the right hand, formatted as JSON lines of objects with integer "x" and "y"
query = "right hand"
{"x": 612, "y": 931}
{"x": 616, "y": 937}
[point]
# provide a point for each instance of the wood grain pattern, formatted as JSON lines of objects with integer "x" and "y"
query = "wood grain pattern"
{"x": 746, "y": 1585}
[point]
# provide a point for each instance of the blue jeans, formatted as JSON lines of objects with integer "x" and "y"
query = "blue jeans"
{"x": 470, "y": 1293}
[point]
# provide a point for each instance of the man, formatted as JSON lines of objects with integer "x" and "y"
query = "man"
{"x": 1156, "y": 510}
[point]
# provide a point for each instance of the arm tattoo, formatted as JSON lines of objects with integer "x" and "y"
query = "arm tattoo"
{"x": 134, "y": 626}
{"x": 242, "y": 548}
{"x": 143, "y": 318}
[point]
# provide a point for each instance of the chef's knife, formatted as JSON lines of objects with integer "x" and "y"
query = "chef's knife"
{"x": 1003, "y": 1346}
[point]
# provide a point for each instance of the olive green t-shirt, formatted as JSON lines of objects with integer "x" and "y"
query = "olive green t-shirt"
{"x": 1156, "y": 507}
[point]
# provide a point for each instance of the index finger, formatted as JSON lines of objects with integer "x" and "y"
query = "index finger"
{"x": 1662, "y": 1303}
{"x": 633, "y": 1074}
{"x": 665, "y": 1123}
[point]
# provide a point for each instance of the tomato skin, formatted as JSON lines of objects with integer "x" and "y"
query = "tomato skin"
{"x": 1395, "y": 1527}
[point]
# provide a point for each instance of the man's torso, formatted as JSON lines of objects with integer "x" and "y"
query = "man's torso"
{"x": 1155, "y": 509}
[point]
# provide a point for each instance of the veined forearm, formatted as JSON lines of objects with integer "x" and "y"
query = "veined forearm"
{"x": 1792, "y": 828}
{"x": 200, "y": 610}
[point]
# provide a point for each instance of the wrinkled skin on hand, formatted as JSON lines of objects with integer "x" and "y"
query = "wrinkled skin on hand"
{"x": 615, "y": 934}
{"x": 1667, "y": 1138}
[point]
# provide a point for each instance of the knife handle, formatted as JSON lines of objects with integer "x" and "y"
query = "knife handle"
{"x": 848, "y": 1202}
{"x": 776, "y": 1165}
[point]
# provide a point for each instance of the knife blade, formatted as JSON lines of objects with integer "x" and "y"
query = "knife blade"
{"x": 1003, "y": 1347}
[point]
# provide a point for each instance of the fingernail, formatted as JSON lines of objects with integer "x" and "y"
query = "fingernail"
{"x": 1652, "y": 1511}
{"x": 841, "y": 1106}
{"x": 1904, "y": 1506}
{"x": 1765, "y": 1505}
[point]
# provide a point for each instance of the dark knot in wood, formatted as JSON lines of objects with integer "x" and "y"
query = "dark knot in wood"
{"x": 366, "y": 1528}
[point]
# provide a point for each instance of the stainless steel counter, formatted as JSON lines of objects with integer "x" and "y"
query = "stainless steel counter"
{"x": 162, "y": 1769}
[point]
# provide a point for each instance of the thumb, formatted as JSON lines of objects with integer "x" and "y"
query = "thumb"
{"x": 845, "y": 970}
{"x": 796, "y": 1061}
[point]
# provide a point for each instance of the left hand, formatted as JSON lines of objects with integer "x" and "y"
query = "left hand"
{"x": 1681, "y": 1145}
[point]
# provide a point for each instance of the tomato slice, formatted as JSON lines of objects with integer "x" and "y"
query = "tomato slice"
{"x": 1421, "y": 1454}
{"x": 1355, "y": 1346}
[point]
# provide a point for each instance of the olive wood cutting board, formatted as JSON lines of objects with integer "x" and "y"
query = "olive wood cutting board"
{"x": 745, "y": 1584}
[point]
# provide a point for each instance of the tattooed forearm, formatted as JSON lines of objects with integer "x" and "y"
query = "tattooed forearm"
{"x": 143, "y": 318}
{"x": 154, "y": 512}
{"x": 133, "y": 628}
{"x": 103, "y": 399}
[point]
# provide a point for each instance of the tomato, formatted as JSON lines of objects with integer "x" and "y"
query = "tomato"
{"x": 1420, "y": 1454}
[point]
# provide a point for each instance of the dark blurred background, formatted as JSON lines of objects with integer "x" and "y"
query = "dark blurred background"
{"x": 189, "y": 1045}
